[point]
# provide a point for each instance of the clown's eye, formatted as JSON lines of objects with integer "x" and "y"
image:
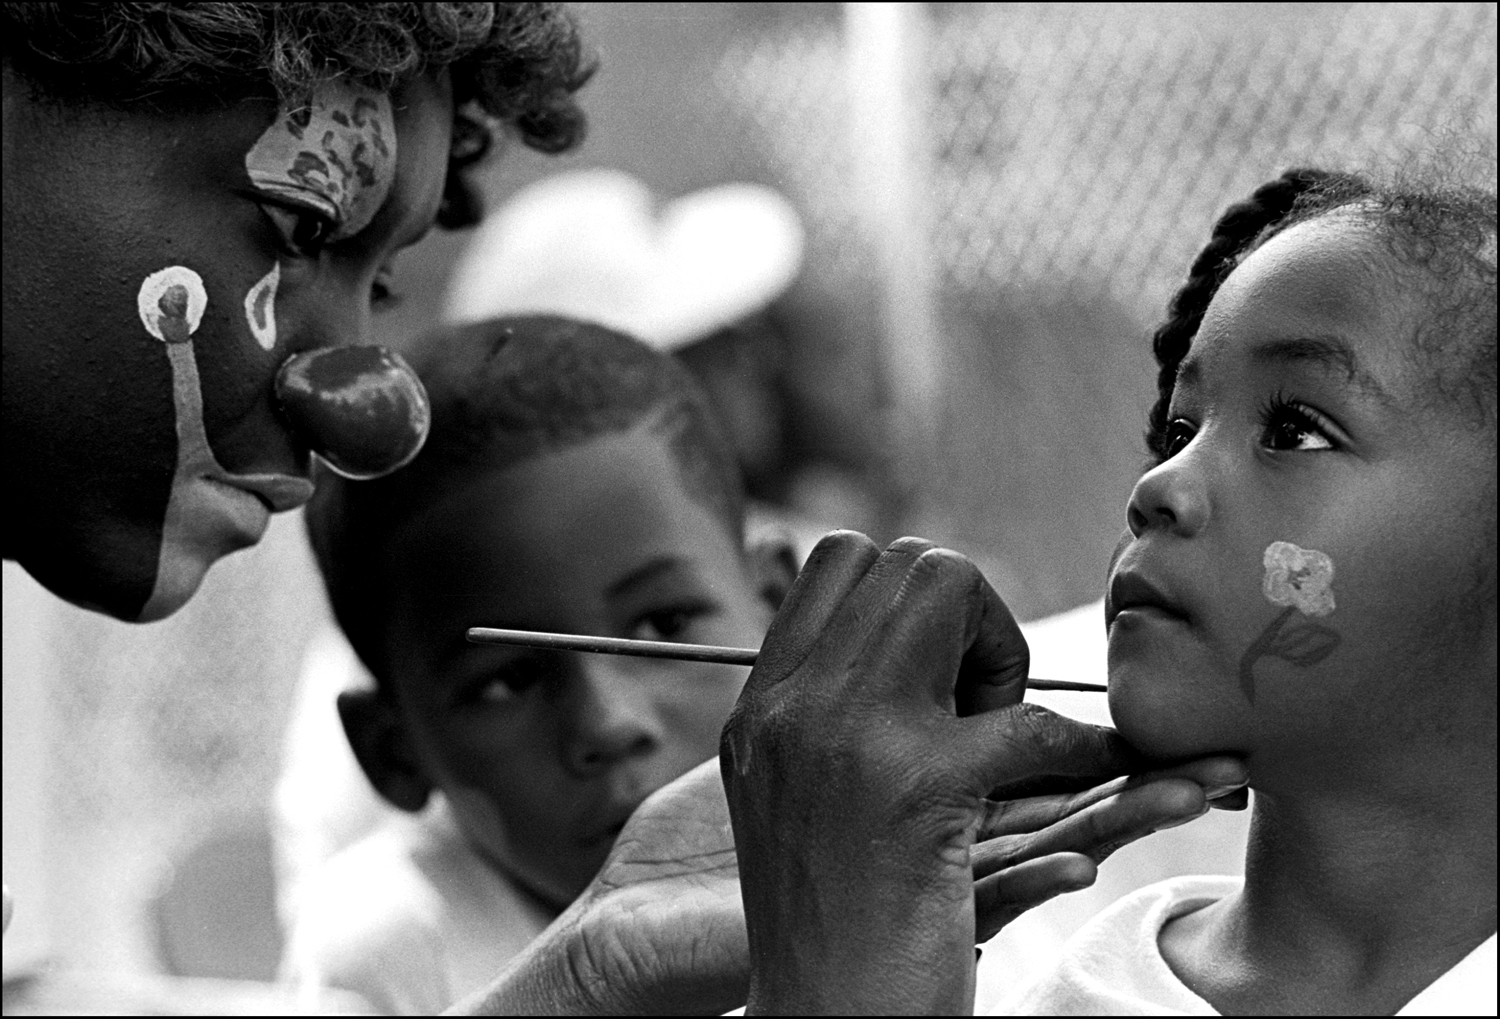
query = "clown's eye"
{"x": 1287, "y": 426}
{"x": 303, "y": 231}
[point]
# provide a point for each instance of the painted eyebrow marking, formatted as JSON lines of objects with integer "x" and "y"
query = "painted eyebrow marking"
{"x": 1331, "y": 354}
{"x": 336, "y": 155}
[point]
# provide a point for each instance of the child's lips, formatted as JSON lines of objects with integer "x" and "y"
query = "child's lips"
{"x": 1132, "y": 592}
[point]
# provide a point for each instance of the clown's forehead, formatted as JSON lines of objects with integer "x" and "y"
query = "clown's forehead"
{"x": 336, "y": 155}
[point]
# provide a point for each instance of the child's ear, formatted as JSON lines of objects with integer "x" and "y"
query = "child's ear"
{"x": 382, "y": 748}
{"x": 773, "y": 567}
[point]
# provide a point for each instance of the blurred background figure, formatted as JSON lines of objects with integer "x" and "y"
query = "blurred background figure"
{"x": 593, "y": 245}
{"x": 697, "y": 276}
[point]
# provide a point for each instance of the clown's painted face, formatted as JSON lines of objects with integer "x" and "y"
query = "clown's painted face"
{"x": 160, "y": 267}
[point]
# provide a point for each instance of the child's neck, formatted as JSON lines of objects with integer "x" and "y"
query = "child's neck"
{"x": 1351, "y": 904}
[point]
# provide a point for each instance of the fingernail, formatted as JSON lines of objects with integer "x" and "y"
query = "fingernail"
{"x": 1213, "y": 792}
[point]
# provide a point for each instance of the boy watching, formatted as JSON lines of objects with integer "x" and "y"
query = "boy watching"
{"x": 574, "y": 481}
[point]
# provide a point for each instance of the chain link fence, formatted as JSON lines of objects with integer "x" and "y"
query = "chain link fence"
{"x": 1087, "y": 149}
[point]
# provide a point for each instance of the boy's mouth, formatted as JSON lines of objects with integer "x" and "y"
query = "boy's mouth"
{"x": 615, "y": 821}
{"x": 1131, "y": 592}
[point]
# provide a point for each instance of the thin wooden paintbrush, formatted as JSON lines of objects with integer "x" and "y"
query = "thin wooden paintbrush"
{"x": 681, "y": 652}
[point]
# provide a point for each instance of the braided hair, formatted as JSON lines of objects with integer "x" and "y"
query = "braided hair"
{"x": 1445, "y": 231}
{"x": 1235, "y": 235}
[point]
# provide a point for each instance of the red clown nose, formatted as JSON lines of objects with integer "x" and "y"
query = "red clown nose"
{"x": 362, "y": 409}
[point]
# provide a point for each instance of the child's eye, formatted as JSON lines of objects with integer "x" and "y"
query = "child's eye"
{"x": 670, "y": 624}
{"x": 1290, "y": 426}
{"x": 508, "y": 684}
{"x": 304, "y": 231}
{"x": 1180, "y": 432}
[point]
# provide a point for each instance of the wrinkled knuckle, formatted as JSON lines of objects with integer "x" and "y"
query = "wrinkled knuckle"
{"x": 1047, "y": 733}
{"x": 910, "y": 545}
{"x": 996, "y": 813}
{"x": 737, "y": 740}
{"x": 952, "y": 569}
{"x": 996, "y": 854}
{"x": 1029, "y": 715}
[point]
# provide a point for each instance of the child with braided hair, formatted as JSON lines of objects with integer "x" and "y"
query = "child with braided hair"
{"x": 1309, "y": 580}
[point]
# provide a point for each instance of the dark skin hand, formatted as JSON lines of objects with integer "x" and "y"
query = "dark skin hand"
{"x": 880, "y": 738}
{"x": 661, "y": 929}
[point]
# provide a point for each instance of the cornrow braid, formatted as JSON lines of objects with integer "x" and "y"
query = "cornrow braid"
{"x": 1234, "y": 234}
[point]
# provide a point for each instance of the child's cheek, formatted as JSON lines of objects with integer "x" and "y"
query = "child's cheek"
{"x": 1299, "y": 584}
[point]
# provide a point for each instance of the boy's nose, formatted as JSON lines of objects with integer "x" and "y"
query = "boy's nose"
{"x": 1172, "y": 498}
{"x": 612, "y": 718}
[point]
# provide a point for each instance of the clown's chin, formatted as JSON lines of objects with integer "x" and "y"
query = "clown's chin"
{"x": 206, "y": 520}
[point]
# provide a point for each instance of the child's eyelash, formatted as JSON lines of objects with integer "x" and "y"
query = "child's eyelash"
{"x": 1279, "y": 405}
{"x": 1280, "y": 411}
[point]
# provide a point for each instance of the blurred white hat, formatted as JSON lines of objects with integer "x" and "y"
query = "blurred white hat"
{"x": 590, "y": 244}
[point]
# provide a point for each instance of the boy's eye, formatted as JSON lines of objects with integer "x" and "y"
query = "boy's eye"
{"x": 670, "y": 624}
{"x": 1179, "y": 433}
{"x": 303, "y": 231}
{"x": 508, "y": 684}
{"x": 1288, "y": 426}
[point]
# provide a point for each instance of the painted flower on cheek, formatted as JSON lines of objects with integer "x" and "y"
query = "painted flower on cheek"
{"x": 1301, "y": 578}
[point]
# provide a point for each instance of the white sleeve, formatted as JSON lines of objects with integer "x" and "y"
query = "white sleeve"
{"x": 368, "y": 938}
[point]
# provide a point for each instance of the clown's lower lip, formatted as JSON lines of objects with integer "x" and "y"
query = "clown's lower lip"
{"x": 277, "y": 492}
{"x": 246, "y": 514}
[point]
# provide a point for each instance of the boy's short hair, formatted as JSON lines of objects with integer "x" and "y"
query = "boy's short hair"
{"x": 503, "y": 392}
{"x": 517, "y": 63}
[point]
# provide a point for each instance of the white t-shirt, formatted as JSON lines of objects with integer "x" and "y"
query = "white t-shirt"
{"x": 410, "y": 917}
{"x": 1114, "y": 966}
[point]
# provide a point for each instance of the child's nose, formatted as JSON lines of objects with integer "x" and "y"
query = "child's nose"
{"x": 612, "y": 718}
{"x": 1171, "y": 498}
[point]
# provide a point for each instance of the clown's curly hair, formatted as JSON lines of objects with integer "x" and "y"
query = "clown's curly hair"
{"x": 514, "y": 64}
